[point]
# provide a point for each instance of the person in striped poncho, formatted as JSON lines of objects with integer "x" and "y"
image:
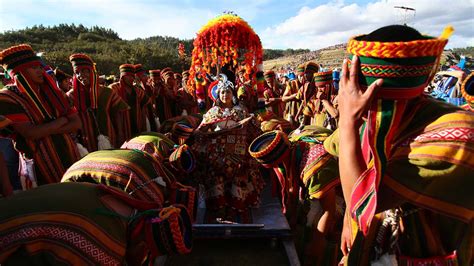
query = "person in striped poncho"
{"x": 402, "y": 152}
{"x": 42, "y": 119}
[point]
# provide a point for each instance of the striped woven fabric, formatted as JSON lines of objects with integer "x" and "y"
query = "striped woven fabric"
{"x": 85, "y": 97}
{"x": 155, "y": 73}
{"x": 127, "y": 69}
{"x": 133, "y": 171}
{"x": 270, "y": 148}
{"x": 182, "y": 159}
{"x": 300, "y": 69}
{"x": 60, "y": 224}
{"x": 135, "y": 119}
{"x": 169, "y": 232}
{"x": 318, "y": 170}
{"x": 419, "y": 48}
{"x": 304, "y": 161}
{"x": 86, "y": 224}
{"x": 104, "y": 120}
{"x": 432, "y": 159}
{"x": 322, "y": 78}
{"x": 155, "y": 144}
{"x": 53, "y": 154}
{"x": 406, "y": 67}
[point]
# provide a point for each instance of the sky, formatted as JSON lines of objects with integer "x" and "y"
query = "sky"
{"x": 308, "y": 24}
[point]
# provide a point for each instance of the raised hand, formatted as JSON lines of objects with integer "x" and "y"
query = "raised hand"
{"x": 353, "y": 100}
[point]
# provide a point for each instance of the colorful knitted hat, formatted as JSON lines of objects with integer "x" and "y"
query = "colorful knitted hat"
{"x": 185, "y": 74}
{"x": 156, "y": 73}
{"x": 300, "y": 69}
{"x": 139, "y": 69}
{"x": 80, "y": 60}
{"x": 273, "y": 149}
{"x": 270, "y": 148}
{"x": 167, "y": 73}
{"x": 402, "y": 64}
{"x": 181, "y": 132}
{"x": 406, "y": 61}
{"x": 17, "y": 56}
{"x": 187, "y": 196}
{"x": 269, "y": 74}
{"x": 182, "y": 159}
{"x": 127, "y": 69}
{"x": 167, "y": 230}
{"x": 467, "y": 89}
{"x": 322, "y": 78}
{"x": 311, "y": 67}
{"x": 166, "y": 69}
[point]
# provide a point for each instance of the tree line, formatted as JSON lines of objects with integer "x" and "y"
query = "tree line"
{"x": 107, "y": 49}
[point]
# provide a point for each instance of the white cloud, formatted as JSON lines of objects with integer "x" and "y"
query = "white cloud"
{"x": 335, "y": 22}
{"x": 130, "y": 19}
{"x": 311, "y": 27}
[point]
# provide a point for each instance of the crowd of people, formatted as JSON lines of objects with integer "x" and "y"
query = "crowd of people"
{"x": 368, "y": 168}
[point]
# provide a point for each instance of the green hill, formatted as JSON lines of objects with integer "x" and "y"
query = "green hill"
{"x": 105, "y": 47}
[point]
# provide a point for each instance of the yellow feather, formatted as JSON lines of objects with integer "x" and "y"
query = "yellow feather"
{"x": 447, "y": 32}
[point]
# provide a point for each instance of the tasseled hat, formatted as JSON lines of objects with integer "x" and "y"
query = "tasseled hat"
{"x": 322, "y": 78}
{"x": 406, "y": 60}
{"x": 156, "y": 73}
{"x": 127, "y": 69}
{"x": 139, "y": 69}
{"x": 16, "y": 56}
{"x": 84, "y": 61}
{"x": 166, "y": 73}
{"x": 80, "y": 60}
